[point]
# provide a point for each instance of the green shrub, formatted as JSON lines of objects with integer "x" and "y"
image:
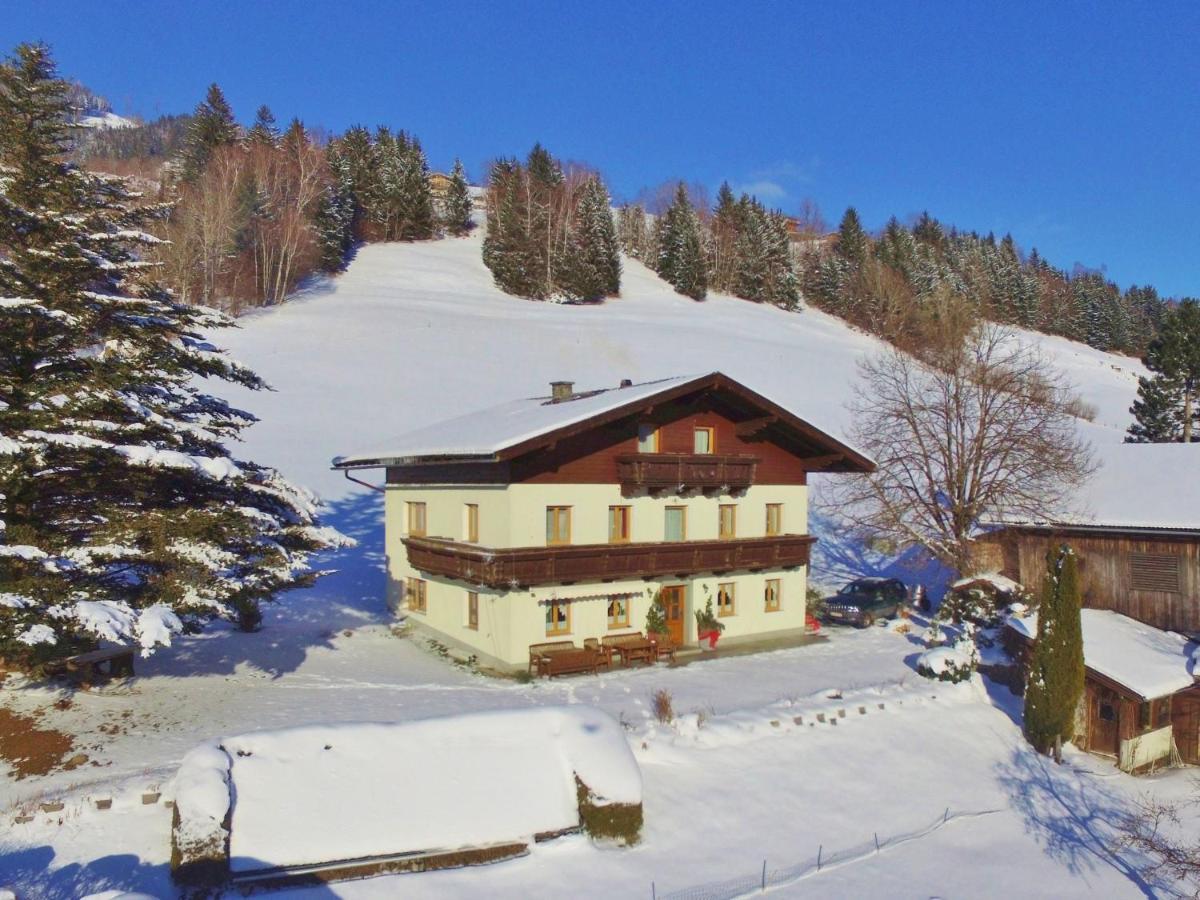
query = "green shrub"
{"x": 619, "y": 822}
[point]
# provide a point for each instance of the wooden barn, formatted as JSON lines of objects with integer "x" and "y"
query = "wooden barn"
{"x": 1137, "y": 540}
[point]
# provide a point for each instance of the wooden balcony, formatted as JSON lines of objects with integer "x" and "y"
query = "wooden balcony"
{"x": 569, "y": 564}
{"x": 707, "y": 472}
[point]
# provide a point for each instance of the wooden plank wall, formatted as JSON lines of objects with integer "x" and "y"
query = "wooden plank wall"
{"x": 1105, "y": 570}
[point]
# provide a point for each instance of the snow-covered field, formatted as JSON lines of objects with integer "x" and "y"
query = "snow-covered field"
{"x": 415, "y": 333}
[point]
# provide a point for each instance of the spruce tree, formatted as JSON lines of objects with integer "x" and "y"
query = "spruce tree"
{"x": 212, "y": 126}
{"x": 853, "y": 243}
{"x": 593, "y": 269}
{"x": 633, "y": 231}
{"x": 1056, "y": 673}
{"x": 681, "y": 257}
{"x": 457, "y": 207}
{"x": 123, "y": 515}
{"x": 263, "y": 133}
{"x": 1168, "y": 405}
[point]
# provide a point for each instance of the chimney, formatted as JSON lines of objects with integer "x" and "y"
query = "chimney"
{"x": 561, "y": 390}
{"x": 626, "y": 382}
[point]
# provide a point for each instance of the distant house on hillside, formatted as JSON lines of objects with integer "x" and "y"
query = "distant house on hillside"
{"x": 564, "y": 517}
{"x": 1138, "y": 546}
{"x": 439, "y": 183}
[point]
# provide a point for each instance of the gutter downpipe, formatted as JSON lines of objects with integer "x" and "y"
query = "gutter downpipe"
{"x": 365, "y": 484}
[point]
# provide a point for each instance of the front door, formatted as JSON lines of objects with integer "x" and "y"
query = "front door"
{"x": 1105, "y": 712}
{"x": 673, "y": 598}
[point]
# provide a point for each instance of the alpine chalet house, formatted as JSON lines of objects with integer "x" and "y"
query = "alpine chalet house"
{"x": 564, "y": 517}
{"x": 1137, "y": 541}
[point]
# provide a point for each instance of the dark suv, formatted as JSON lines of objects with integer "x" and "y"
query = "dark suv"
{"x": 863, "y": 601}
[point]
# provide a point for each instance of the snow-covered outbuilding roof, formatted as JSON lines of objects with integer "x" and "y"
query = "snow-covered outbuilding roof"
{"x": 1148, "y": 661}
{"x": 1139, "y": 487}
{"x": 510, "y": 429}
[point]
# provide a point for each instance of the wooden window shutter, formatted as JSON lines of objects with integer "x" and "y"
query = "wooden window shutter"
{"x": 1154, "y": 572}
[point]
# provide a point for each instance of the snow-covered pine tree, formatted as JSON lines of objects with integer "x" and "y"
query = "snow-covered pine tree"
{"x": 749, "y": 279}
{"x": 416, "y": 220}
{"x": 853, "y": 243}
{"x": 726, "y": 229}
{"x": 263, "y": 133}
{"x": 123, "y": 515}
{"x": 592, "y": 269}
{"x": 1056, "y": 673}
{"x": 681, "y": 258}
{"x": 633, "y": 231}
{"x": 1168, "y": 404}
{"x": 456, "y": 207}
{"x": 212, "y": 126}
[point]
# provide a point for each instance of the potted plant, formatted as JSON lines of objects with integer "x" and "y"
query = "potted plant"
{"x": 708, "y": 626}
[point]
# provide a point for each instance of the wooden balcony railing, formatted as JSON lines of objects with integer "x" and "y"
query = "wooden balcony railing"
{"x": 569, "y": 564}
{"x": 685, "y": 471}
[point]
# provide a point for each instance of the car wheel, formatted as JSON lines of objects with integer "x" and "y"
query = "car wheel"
{"x": 867, "y": 620}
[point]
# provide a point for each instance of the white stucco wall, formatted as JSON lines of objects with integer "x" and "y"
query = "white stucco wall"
{"x": 1146, "y": 748}
{"x": 509, "y": 621}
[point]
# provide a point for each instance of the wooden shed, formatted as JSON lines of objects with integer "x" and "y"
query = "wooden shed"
{"x": 1141, "y": 704}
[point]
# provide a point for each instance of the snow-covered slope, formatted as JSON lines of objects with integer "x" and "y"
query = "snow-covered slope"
{"x": 412, "y": 334}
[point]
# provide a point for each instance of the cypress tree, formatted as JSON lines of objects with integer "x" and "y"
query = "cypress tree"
{"x": 1056, "y": 672}
{"x": 457, "y": 207}
{"x": 212, "y": 126}
{"x": 122, "y": 512}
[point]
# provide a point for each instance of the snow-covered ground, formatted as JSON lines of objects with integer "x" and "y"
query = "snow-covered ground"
{"x": 415, "y": 333}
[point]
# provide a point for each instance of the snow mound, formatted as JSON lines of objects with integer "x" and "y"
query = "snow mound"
{"x": 944, "y": 660}
{"x": 324, "y": 793}
{"x": 999, "y": 582}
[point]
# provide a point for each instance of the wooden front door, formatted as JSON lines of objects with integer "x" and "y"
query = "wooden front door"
{"x": 1104, "y": 712}
{"x": 673, "y": 602}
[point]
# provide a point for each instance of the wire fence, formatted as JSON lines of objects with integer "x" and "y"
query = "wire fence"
{"x": 765, "y": 878}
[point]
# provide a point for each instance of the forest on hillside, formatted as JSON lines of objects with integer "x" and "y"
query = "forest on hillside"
{"x": 249, "y": 212}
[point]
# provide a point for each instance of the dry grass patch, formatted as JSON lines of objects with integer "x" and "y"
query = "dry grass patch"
{"x": 31, "y": 750}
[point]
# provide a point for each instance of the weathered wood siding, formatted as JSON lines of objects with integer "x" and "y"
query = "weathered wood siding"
{"x": 1185, "y": 722}
{"x": 1105, "y": 568}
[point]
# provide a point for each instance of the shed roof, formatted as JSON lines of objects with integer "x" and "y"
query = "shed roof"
{"x": 1148, "y": 661}
{"x": 516, "y": 427}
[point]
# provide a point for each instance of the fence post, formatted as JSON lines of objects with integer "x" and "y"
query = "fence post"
{"x": 764, "y": 878}
{"x": 946, "y": 817}
{"x": 877, "y": 842}
{"x": 653, "y": 895}
{"x": 819, "y": 849}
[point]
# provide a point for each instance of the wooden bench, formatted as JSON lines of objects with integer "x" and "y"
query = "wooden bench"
{"x": 664, "y": 647}
{"x": 538, "y": 652}
{"x": 95, "y": 665}
{"x": 569, "y": 662}
{"x": 633, "y": 647}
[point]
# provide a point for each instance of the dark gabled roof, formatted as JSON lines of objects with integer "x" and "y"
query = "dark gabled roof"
{"x": 523, "y": 426}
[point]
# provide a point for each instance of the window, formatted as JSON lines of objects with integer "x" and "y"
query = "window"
{"x": 728, "y": 521}
{"x": 725, "y": 598}
{"x": 558, "y": 524}
{"x": 1154, "y": 572}
{"x": 618, "y": 524}
{"x": 416, "y": 519}
{"x": 771, "y": 595}
{"x": 618, "y": 612}
{"x": 1154, "y": 714}
{"x": 774, "y": 519}
{"x": 558, "y": 618}
{"x": 1144, "y": 715}
{"x": 703, "y": 440}
{"x": 647, "y": 438}
{"x": 471, "y": 523}
{"x": 414, "y": 594}
{"x": 676, "y": 524}
{"x": 473, "y": 610}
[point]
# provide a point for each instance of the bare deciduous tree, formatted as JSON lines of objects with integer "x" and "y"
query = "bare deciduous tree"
{"x": 975, "y": 431}
{"x": 1153, "y": 831}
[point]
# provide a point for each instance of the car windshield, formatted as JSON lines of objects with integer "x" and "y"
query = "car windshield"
{"x": 862, "y": 586}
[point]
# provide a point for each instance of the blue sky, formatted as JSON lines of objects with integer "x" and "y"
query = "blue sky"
{"x": 1074, "y": 126}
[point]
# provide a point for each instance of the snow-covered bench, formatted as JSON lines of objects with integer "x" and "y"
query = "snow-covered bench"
{"x": 95, "y": 665}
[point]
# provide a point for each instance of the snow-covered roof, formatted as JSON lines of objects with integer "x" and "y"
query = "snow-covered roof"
{"x": 489, "y": 432}
{"x": 1150, "y": 662}
{"x": 1138, "y": 486}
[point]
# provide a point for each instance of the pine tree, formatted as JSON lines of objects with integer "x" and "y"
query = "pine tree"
{"x": 212, "y": 126}
{"x": 681, "y": 258}
{"x": 728, "y": 221}
{"x": 334, "y": 219}
{"x": 457, "y": 207}
{"x": 263, "y": 132}
{"x": 509, "y": 251}
{"x": 1056, "y": 673}
{"x": 122, "y": 511}
{"x": 1157, "y": 411}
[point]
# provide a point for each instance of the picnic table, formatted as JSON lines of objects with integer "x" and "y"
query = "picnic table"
{"x": 631, "y": 647}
